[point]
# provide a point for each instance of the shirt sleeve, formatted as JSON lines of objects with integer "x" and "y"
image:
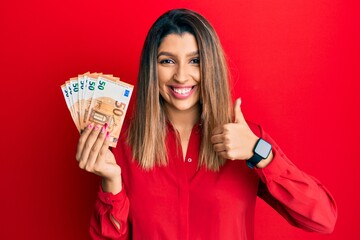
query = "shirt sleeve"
{"x": 300, "y": 198}
{"x": 108, "y": 207}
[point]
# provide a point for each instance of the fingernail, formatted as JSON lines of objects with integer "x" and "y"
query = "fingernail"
{"x": 107, "y": 135}
{"x": 96, "y": 127}
{"x": 90, "y": 126}
{"x": 104, "y": 128}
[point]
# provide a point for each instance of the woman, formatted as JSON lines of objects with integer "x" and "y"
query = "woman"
{"x": 188, "y": 165}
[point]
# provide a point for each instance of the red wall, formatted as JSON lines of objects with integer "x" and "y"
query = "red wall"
{"x": 295, "y": 65}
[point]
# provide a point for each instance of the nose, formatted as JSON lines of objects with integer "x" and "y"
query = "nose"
{"x": 181, "y": 74}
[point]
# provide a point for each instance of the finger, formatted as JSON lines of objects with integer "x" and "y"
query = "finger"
{"x": 94, "y": 152}
{"x": 82, "y": 140}
{"x": 220, "y": 147}
{"x": 215, "y": 139}
{"x": 239, "y": 117}
{"x": 104, "y": 150}
{"x": 223, "y": 154}
{"x": 217, "y": 130}
{"x": 89, "y": 145}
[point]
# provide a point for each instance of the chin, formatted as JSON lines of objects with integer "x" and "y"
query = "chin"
{"x": 186, "y": 106}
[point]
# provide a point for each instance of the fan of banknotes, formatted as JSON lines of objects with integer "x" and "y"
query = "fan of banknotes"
{"x": 98, "y": 98}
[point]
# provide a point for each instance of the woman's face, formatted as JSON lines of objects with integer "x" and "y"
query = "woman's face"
{"x": 178, "y": 67}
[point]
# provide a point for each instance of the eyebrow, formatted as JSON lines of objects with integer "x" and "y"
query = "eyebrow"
{"x": 169, "y": 54}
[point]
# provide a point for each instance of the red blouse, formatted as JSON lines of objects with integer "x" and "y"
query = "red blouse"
{"x": 182, "y": 201}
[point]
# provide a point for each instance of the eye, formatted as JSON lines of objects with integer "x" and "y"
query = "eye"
{"x": 195, "y": 61}
{"x": 166, "y": 61}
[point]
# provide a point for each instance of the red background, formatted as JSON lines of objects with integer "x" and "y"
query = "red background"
{"x": 295, "y": 65}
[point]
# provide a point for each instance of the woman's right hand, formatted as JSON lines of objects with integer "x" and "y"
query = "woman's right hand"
{"x": 94, "y": 155}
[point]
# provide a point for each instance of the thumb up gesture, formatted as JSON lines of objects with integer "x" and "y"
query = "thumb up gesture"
{"x": 234, "y": 141}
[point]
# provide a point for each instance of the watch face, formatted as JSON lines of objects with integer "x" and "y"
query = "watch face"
{"x": 263, "y": 148}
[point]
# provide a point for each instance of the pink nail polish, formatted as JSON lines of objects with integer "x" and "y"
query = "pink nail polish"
{"x": 107, "y": 135}
{"x": 104, "y": 128}
{"x": 90, "y": 126}
{"x": 96, "y": 127}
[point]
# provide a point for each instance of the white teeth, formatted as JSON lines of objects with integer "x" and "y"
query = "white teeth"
{"x": 182, "y": 90}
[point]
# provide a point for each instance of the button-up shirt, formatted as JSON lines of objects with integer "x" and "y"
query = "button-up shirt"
{"x": 182, "y": 201}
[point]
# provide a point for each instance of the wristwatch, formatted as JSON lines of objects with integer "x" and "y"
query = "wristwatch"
{"x": 261, "y": 150}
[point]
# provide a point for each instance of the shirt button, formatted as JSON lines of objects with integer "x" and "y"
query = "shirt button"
{"x": 189, "y": 160}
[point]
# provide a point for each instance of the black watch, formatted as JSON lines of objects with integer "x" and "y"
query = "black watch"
{"x": 262, "y": 150}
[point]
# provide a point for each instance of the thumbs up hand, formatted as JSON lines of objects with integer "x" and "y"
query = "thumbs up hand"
{"x": 234, "y": 140}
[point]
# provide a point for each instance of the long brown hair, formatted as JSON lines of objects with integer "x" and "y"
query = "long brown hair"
{"x": 147, "y": 130}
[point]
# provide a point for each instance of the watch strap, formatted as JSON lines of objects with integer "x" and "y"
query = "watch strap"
{"x": 254, "y": 160}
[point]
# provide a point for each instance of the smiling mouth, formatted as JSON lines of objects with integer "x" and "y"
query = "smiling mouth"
{"x": 182, "y": 91}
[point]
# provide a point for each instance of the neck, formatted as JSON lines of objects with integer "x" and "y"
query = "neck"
{"x": 183, "y": 120}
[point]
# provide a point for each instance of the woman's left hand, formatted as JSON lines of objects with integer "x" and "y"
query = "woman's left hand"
{"x": 234, "y": 140}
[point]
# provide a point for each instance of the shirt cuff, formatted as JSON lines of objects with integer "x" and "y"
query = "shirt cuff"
{"x": 277, "y": 166}
{"x": 110, "y": 198}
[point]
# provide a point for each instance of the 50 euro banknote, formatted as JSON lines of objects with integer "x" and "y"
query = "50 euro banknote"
{"x": 99, "y": 99}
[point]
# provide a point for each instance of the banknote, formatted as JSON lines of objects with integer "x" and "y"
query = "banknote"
{"x": 98, "y": 98}
{"x": 66, "y": 94}
{"x": 71, "y": 102}
{"x": 74, "y": 85}
{"x": 82, "y": 83}
{"x": 91, "y": 84}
